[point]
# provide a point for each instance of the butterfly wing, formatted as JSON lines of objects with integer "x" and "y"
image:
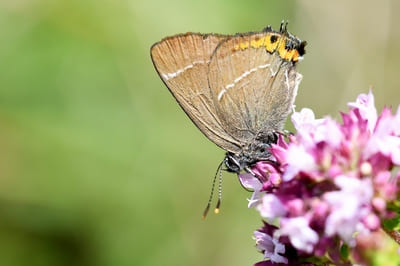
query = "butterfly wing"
{"x": 253, "y": 89}
{"x": 182, "y": 63}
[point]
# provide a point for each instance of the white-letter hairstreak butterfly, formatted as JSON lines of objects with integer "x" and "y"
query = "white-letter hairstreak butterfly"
{"x": 237, "y": 89}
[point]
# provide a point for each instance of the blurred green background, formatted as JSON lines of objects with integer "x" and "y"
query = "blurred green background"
{"x": 99, "y": 166}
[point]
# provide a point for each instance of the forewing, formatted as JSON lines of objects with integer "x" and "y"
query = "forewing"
{"x": 253, "y": 89}
{"x": 182, "y": 63}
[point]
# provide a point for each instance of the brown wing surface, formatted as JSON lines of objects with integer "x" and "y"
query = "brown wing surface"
{"x": 182, "y": 62}
{"x": 253, "y": 89}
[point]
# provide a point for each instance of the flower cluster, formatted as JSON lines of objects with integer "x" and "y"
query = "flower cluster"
{"x": 328, "y": 185}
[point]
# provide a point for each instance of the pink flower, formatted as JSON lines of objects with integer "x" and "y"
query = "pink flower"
{"x": 349, "y": 206}
{"x": 271, "y": 207}
{"x": 250, "y": 182}
{"x": 305, "y": 120}
{"x": 271, "y": 247}
{"x": 365, "y": 103}
{"x": 330, "y": 183}
{"x": 299, "y": 232}
{"x": 298, "y": 159}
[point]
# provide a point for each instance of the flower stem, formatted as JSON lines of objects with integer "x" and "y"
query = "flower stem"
{"x": 395, "y": 235}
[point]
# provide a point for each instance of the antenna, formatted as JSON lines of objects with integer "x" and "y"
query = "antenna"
{"x": 216, "y": 210}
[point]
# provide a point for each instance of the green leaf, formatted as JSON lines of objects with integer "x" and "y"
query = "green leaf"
{"x": 344, "y": 251}
{"x": 392, "y": 224}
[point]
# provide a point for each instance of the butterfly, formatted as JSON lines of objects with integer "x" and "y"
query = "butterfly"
{"x": 237, "y": 89}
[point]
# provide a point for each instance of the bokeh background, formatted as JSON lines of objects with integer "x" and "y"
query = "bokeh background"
{"x": 98, "y": 164}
